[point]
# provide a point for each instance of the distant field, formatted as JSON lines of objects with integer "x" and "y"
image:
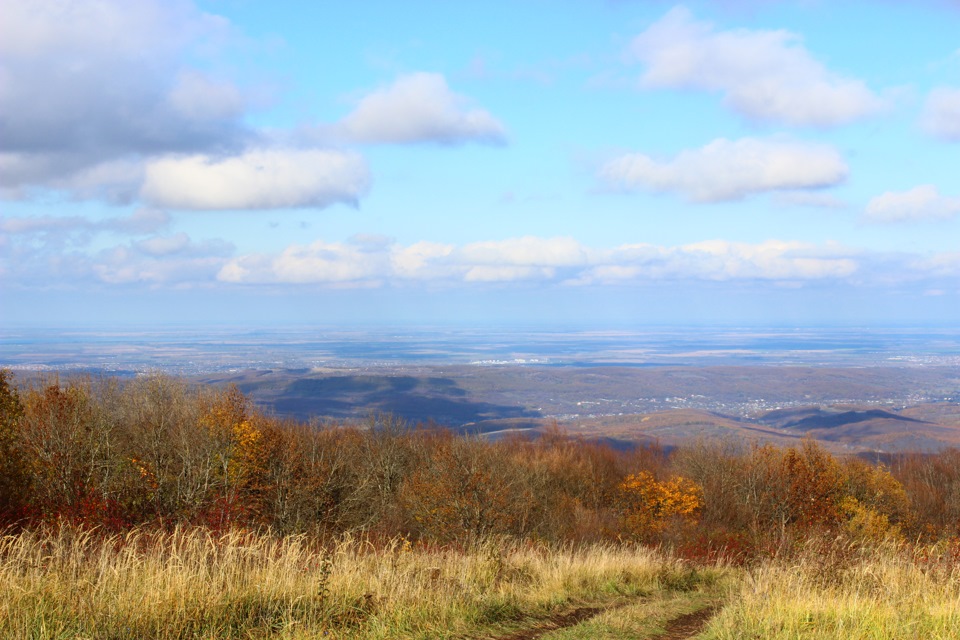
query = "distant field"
{"x": 185, "y": 351}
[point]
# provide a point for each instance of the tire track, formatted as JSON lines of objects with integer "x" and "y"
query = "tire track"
{"x": 680, "y": 628}
{"x": 688, "y": 625}
{"x": 560, "y": 621}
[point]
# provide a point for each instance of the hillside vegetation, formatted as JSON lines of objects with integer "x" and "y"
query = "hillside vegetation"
{"x": 159, "y": 509}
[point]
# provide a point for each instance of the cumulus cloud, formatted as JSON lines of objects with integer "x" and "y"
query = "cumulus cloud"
{"x": 920, "y": 203}
{"x": 257, "y": 179}
{"x": 420, "y": 107}
{"x": 421, "y": 260}
{"x": 762, "y": 75}
{"x": 131, "y": 265}
{"x": 729, "y": 169}
{"x": 318, "y": 262}
{"x": 941, "y": 114}
{"x": 87, "y": 86}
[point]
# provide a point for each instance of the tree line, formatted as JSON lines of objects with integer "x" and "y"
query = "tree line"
{"x": 157, "y": 451}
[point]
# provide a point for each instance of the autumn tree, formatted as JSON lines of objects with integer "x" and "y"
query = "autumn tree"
{"x": 238, "y": 456}
{"x": 649, "y": 506}
{"x": 13, "y": 476}
{"x": 463, "y": 489}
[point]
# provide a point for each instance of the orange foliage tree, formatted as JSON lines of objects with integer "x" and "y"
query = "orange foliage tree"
{"x": 649, "y": 506}
{"x": 463, "y": 489}
{"x": 815, "y": 485}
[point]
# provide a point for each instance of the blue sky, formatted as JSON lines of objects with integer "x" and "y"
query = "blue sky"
{"x": 606, "y": 162}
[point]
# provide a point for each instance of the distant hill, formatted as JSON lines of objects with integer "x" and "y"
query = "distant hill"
{"x": 808, "y": 419}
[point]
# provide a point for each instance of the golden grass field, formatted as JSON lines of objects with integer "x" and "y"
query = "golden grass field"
{"x": 192, "y": 583}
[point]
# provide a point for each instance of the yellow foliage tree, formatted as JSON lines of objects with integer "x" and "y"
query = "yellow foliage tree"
{"x": 240, "y": 451}
{"x": 648, "y": 505}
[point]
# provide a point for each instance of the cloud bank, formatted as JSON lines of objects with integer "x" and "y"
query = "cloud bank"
{"x": 562, "y": 261}
{"x": 40, "y": 250}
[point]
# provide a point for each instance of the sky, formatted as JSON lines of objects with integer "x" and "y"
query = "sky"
{"x": 529, "y": 163}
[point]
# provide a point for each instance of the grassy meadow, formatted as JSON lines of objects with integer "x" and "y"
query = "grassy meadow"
{"x": 841, "y": 593}
{"x": 190, "y": 583}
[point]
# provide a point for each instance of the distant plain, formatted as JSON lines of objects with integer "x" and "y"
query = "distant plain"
{"x": 856, "y": 390}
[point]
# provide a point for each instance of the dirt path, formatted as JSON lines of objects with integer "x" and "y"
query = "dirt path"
{"x": 688, "y": 625}
{"x": 560, "y": 621}
{"x": 680, "y": 628}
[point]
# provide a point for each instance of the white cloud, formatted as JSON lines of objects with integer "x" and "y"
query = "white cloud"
{"x": 721, "y": 260}
{"x": 318, "y": 262}
{"x": 525, "y": 251}
{"x": 941, "y": 114}
{"x": 770, "y": 260}
{"x": 125, "y": 265}
{"x": 87, "y": 89}
{"x": 730, "y": 169}
{"x": 488, "y": 273}
{"x": 257, "y": 179}
{"x": 420, "y": 107}
{"x": 421, "y": 260}
{"x": 762, "y": 75}
{"x": 920, "y": 203}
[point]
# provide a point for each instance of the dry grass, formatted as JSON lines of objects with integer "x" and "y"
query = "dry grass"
{"x": 848, "y": 594}
{"x": 190, "y": 583}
